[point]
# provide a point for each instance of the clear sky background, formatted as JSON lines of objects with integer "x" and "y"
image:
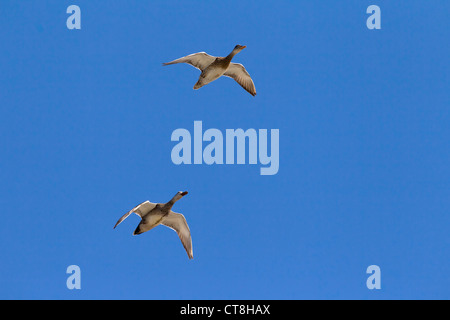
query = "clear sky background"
{"x": 86, "y": 118}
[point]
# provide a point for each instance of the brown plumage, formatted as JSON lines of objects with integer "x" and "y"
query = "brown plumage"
{"x": 154, "y": 214}
{"x": 213, "y": 68}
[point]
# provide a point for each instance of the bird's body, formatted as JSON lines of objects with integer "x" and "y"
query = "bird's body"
{"x": 213, "y": 68}
{"x": 211, "y": 73}
{"x": 152, "y": 219}
{"x": 154, "y": 214}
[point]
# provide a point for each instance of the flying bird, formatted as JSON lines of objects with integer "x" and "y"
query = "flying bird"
{"x": 213, "y": 68}
{"x": 154, "y": 214}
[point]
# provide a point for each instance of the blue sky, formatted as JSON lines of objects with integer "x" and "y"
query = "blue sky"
{"x": 86, "y": 118}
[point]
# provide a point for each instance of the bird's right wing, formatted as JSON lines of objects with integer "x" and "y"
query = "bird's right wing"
{"x": 177, "y": 222}
{"x": 199, "y": 60}
{"x": 237, "y": 72}
{"x": 141, "y": 210}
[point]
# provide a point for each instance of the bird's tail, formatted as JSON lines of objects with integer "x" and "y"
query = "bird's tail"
{"x": 137, "y": 231}
{"x": 198, "y": 85}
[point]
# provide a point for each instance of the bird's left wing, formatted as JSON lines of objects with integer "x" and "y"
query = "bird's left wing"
{"x": 141, "y": 210}
{"x": 199, "y": 60}
{"x": 177, "y": 222}
{"x": 238, "y": 73}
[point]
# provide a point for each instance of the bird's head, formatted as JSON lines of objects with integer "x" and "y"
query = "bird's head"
{"x": 238, "y": 47}
{"x": 179, "y": 195}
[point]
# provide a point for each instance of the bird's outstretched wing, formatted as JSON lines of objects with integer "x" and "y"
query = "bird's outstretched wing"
{"x": 238, "y": 73}
{"x": 199, "y": 60}
{"x": 177, "y": 222}
{"x": 141, "y": 210}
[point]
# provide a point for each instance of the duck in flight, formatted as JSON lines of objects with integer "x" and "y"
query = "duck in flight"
{"x": 213, "y": 68}
{"x": 154, "y": 214}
